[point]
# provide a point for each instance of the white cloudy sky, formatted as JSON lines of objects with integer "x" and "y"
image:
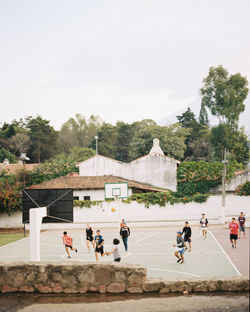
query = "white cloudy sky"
{"x": 119, "y": 59}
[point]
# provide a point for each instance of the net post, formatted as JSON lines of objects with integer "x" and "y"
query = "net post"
{"x": 36, "y": 217}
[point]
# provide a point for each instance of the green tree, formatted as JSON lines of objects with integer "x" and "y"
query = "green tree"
{"x": 78, "y": 131}
{"x": 4, "y": 154}
{"x": 197, "y": 135}
{"x": 124, "y": 138}
{"x": 107, "y": 141}
{"x": 224, "y": 95}
{"x": 172, "y": 140}
{"x": 43, "y": 139}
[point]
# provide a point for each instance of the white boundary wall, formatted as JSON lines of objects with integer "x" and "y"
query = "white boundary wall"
{"x": 138, "y": 212}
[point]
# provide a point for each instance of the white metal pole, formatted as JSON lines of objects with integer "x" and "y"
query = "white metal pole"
{"x": 36, "y": 217}
{"x": 223, "y": 188}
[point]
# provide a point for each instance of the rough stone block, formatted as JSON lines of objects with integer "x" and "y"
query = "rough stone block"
{"x": 26, "y": 289}
{"x": 135, "y": 290}
{"x": 83, "y": 290}
{"x": 7, "y": 289}
{"x": 102, "y": 276}
{"x": 44, "y": 289}
{"x": 152, "y": 286}
{"x": 116, "y": 288}
{"x": 136, "y": 279}
{"x": 120, "y": 276}
{"x": 165, "y": 290}
{"x": 102, "y": 289}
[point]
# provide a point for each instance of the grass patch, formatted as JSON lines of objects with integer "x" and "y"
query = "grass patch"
{"x": 9, "y": 238}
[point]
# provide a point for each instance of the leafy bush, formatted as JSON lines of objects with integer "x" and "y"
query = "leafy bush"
{"x": 198, "y": 177}
{"x": 87, "y": 203}
{"x": 245, "y": 189}
{"x": 10, "y": 198}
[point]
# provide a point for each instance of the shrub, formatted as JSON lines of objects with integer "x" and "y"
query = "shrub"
{"x": 245, "y": 189}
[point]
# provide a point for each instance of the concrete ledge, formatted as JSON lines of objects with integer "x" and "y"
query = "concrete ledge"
{"x": 102, "y": 278}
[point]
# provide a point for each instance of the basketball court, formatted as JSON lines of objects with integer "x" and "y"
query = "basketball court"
{"x": 149, "y": 247}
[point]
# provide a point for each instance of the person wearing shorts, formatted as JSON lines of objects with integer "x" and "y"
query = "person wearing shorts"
{"x": 187, "y": 235}
{"x": 68, "y": 243}
{"x": 89, "y": 237}
{"x": 99, "y": 242}
{"x": 179, "y": 248}
{"x": 241, "y": 222}
{"x": 234, "y": 232}
{"x": 115, "y": 251}
{"x": 204, "y": 223}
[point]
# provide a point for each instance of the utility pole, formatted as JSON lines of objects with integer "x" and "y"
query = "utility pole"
{"x": 96, "y": 145}
{"x": 223, "y": 187}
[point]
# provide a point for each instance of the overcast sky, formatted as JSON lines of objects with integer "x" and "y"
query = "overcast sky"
{"x": 122, "y": 60}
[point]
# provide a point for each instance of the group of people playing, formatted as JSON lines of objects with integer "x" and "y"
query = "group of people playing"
{"x": 183, "y": 239}
{"x": 181, "y": 242}
{"x": 97, "y": 242}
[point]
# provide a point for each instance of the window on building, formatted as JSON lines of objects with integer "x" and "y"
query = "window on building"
{"x": 86, "y": 197}
{"x": 76, "y": 197}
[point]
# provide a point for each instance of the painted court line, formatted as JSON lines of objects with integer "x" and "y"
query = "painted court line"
{"x": 233, "y": 265}
{"x": 165, "y": 242}
{"x": 172, "y": 271}
{"x": 144, "y": 238}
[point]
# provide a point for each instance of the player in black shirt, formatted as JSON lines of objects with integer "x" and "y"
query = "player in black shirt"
{"x": 89, "y": 237}
{"x": 187, "y": 234}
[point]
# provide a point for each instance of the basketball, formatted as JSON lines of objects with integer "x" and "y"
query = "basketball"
{"x": 113, "y": 209}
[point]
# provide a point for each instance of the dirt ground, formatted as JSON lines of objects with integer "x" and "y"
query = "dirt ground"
{"x": 125, "y": 303}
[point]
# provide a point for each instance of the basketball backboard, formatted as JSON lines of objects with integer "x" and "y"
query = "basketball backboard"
{"x": 113, "y": 190}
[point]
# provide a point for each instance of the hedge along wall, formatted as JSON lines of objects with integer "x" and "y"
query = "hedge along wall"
{"x": 102, "y": 278}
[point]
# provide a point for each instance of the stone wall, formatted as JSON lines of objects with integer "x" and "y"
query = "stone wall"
{"x": 102, "y": 278}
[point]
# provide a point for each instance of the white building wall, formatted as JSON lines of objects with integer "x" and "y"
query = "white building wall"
{"x": 152, "y": 169}
{"x": 97, "y": 194}
{"x": 171, "y": 214}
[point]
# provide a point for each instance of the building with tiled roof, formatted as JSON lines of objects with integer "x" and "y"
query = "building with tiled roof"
{"x": 154, "y": 169}
{"x": 92, "y": 187}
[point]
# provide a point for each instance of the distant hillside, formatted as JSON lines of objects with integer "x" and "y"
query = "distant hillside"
{"x": 195, "y": 107}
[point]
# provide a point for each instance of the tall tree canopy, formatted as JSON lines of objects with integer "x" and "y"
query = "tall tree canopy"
{"x": 224, "y": 95}
{"x": 43, "y": 139}
{"x": 172, "y": 140}
{"x": 78, "y": 131}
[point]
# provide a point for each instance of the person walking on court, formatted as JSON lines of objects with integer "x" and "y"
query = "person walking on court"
{"x": 204, "y": 223}
{"x": 89, "y": 237}
{"x": 115, "y": 251}
{"x": 187, "y": 235}
{"x": 124, "y": 233}
{"x": 179, "y": 247}
{"x": 99, "y": 245}
{"x": 68, "y": 243}
{"x": 234, "y": 232}
{"x": 241, "y": 222}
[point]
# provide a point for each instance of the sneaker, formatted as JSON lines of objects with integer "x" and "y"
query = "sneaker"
{"x": 182, "y": 261}
{"x": 69, "y": 257}
{"x": 178, "y": 260}
{"x": 76, "y": 250}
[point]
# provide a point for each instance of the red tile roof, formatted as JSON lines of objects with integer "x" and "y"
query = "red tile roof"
{"x": 91, "y": 182}
{"x": 14, "y": 168}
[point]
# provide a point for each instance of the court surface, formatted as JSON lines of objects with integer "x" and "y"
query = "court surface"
{"x": 150, "y": 247}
